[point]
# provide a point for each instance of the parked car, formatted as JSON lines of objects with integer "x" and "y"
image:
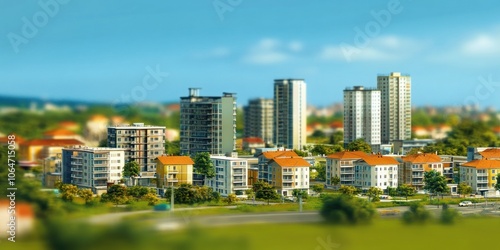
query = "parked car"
{"x": 465, "y": 204}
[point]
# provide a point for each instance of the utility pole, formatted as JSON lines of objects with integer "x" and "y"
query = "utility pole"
{"x": 300, "y": 202}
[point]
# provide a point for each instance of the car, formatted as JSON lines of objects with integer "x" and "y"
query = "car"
{"x": 465, "y": 204}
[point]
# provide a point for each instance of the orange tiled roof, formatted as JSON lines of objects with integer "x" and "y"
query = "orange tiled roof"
{"x": 52, "y": 142}
{"x": 175, "y": 160}
{"x": 253, "y": 140}
{"x": 379, "y": 160}
{"x": 100, "y": 118}
{"x": 496, "y": 129}
{"x": 491, "y": 153}
{"x": 336, "y": 124}
{"x": 274, "y": 154}
{"x": 291, "y": 162}
{"x": 59, "y": 131}
{"x": 347, "y": 155}
{"x": 422, "y": 158}
{"x": 483, "y": 164}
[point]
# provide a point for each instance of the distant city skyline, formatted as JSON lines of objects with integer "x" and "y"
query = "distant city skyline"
{"x": 116, "y": 52}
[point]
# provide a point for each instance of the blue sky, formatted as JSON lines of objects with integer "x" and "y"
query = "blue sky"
{"x": 103, "y": 50}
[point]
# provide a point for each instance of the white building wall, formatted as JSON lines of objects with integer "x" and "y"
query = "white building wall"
{"x": 230, "y": 175}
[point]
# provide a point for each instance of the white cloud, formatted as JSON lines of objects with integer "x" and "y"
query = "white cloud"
{"x": 481, "y": 45}
{"x": 383, "y": 48}
{"x": 272, "y": 51}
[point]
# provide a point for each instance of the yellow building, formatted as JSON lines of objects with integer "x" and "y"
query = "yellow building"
{"x": 174, "y": 170}
{"x": 480, "y": 174}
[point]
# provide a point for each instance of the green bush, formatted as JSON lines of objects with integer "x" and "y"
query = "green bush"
{"x": 416, "y": 214}
{"x": 347, "y": 210}
{"x": 449, "y": 215}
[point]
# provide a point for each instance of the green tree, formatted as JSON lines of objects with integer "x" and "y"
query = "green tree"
{"x": 299, "y": 192}
{"x": 373, "y": 193}
{"x": 86, "y": 194}
{"x": 449, "y": 215}
{"x": 138, "y": 192}
{"x": 203, "y": 165}
{"x": 392, "y": 191}
{"x": 416, "y": 214}
{"x": 335, "y": 180}
{"x": 250, "y": 193}
{"x": 336, "y": 138}
{"x": 151, "y": 198}
{"x": 117, "y": 194}
{"x": 68, "y": 192}
{"x": 300, "y": 153}
{"x": 321, "y": 149}
{"x": 348, "y": 190}
{"x": 173, "y": 148}
{"x": 264, "y": 190}
{"x": 497, "y": 185}
{"x": 318, "y": 188}
{"x": 131, "y": 170}
{"x": 464, "y": 189}
{"x": 359, "y": 145}
{"x": 435, "y": 183}
{"x": 406, "y": 190}
{"x": 347, "y": 210}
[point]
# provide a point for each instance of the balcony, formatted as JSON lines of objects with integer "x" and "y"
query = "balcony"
{"x": 76, "y": 157}
{"x": 482, "y": 180}
{"x": 174, "y": 180}
{"x": 76, "y": 169}
{"x": 100, "y": 177}
{"x": 76, "y": 163}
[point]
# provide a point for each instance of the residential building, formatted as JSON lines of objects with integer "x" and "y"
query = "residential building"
{"x": 289, "y": 173}
{"x": 477, "y": 153}
{"x": 395, "y": 106}
{"x": 265, "y": 173}
{"x": 173, "y": 171}
{"x": 94, "y": 168}
{"x": 451, "y": 166}
{"x": 341, "y": 164}
{"x": 289, "y": 113}
{"x": 230, "y": 175}
{"x": 403, "y": 146}
{"x": 142, "y": 144}
{"x": 32, "y": 152}
{"x": 95, "y": 129}
{"x": 413, "y": 167}
{"x": 258, "y": 119}
{"x": 376, "y": 171}
{"x": 480, "y": 175}
{"x": 362, "y": 116}
{"x": 208, "y": 123}
{"x": 253, "y": 175}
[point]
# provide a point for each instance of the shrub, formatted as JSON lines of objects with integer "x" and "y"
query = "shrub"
{"x": 449, "y": 215}
{"x": 416, "y": 214}
{"x": 347, "y": 210}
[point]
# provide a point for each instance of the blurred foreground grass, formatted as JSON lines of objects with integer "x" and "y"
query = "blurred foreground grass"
{"x": 468, "y": 233}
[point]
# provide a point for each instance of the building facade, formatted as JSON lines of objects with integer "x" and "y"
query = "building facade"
{"x": 258, "y": 116}
{"x": 174, "y": 171}
{"x": 480, "y": 175}
{"x": 289, "y": 173}
{"x": 395, "y": 106}
{"x": 362, "y": 116}
{"x": 94, "y": 168}
{"x": 142, "y": 144}
{"x": 341, "y": 164}
{"x": 231, "y": 175}
{"x": 376, "y": 171}
{"x": 290, "y": 113}
{"x": 208, "y": 124}
{"x": 413, "y": 167}
{"x": 265, "y": 158}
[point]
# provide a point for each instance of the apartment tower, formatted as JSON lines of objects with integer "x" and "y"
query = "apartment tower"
{"x": 289, "y": 113}
{"x": 396, "y": 106}
{"x": 258, "y": 117}
{"x": 208, "y": 123}
{"x": 362, "y": 116}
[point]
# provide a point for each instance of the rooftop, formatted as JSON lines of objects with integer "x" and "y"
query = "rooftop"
{"x": 483, "y": 164}
{"x": 52, "y": 142}
{"x": 274, "y": 154}
{"x": 491, "y": 153}
{"x": 373, "y": 160}
{"x": 291, "y": 162}
{"x": 422, "y": 158}
{"x": 347, "y": 155}
{"x": 175, "y": 160}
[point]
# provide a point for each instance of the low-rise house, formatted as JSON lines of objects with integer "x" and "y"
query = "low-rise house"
{"x": 289, "y": 173}
{"x": 341, "y": 164}
{"x": 412, "y": 168}
{"x": 264, "y": 160}
{"x": 480, "y": 175}
{"x": 252, "y": 143}
{"x": 173, "y": 171}
{"x": 376, "y": 171}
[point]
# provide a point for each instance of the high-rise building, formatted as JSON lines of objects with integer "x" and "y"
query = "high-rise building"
{"x": 362, "y": 116}
{"x": 208, "y": 123}
{"x": 396, "y": 106}
{"x": 93, "y": 168}
{"x": 258, "y": 117}
{"x": 289, "y": 113}
{"x": 142, "y": 144}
